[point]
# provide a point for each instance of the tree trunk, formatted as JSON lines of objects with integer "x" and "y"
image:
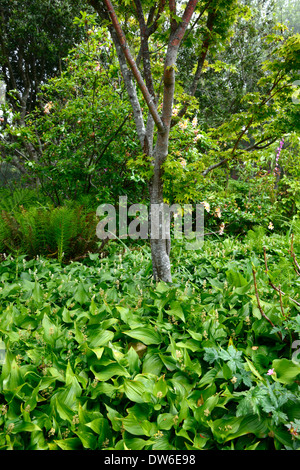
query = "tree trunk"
{"x": 159, "y": 235}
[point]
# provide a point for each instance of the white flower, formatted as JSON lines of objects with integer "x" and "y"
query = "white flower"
{"x": 175, "y": 111}
{"x": 182, "y": 162}
{"x": 194, "y": 122}
{"x": 218, "y": 212}
{"x": 206, "y": 206}
{"x": 47, "y": 107}
{"x": 222, "y": 226}
{"x": 183, "y": 125}
{"x": 270, "y": 226}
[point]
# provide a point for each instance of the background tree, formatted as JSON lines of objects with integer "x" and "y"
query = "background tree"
{"x": 80, "y": 132}
{"x": 34, "y": 38}
{"x": 233, "y": 68}
{"x": 161, "y": 21}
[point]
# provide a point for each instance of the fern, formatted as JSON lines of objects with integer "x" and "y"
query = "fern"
{"x": 64, "y": 232}
{"x": 20, "y": 197}
{"x": 64, "y": 227}
{"x": 255, "y": 238}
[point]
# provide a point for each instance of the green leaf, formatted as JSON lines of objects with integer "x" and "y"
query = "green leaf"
{"x": 176, "y": 310}
{"x": 115, "y": 418}
{"x": 286, "y": 370}
{"x": 145, "y": 334}
{"x": 25, "y": 426}
{"x": 71, "y": 443}
{"x": 152, "y": 364}
{"x": 227, "y": 429}
{"x": 166, "y": 421}
{"x": 100, "y": 427}
{"x": 81, "y": 294}
{"x": 37, "y": 293}
{"x": 136, "y": 443}
{"x": 236, "y": 279}
{"x": 109, "y": 371}
{"x": 88, "y": 439}
{"x": 134, "y": 390}
{"x": 99, "y": 337}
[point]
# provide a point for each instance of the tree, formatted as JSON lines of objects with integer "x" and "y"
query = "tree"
{"x": 234, "y": 68}
{"x": 34, "y": 38}
{"x": 80, "y": 132}
{"x": 35, "y": 35}
{"x": 162, "y": 29}
{"x": 288, "y": 13}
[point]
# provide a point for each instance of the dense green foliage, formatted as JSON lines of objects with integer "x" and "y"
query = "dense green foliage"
{"x": 98, "y": 357}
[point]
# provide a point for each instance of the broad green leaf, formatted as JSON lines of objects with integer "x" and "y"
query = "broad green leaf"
{"x": 99, "y": 337}
{"x": 88, "y": 439}
{"x": 134, "y": 390}
{"x": 145, "y": 334}
{"x": 98, "y": 352}
{"x": 160, "y": 388}
{"x": 109, "y": 371}
{"x": 115, "y": 418}
{"x": 81, "y": 295}
{"x": 176, "y": 310}
{"x": 11, "y": 375}
{"x": 286, "y": 370}
{"x": 50, "y": 331}
{"x": 230, "y": 428}
{"x": 37, "y": 292}
{"x": 133, "y": 361}
{"x": 136, "y": 443}
{"x": 152, "y": 364}
{"x": 166, "y": 421}
{"x": 235, "y": 278}
{"x": 70, "y": 443}
{"x": 63, "y": 410}
{"x": 99, "y": 426}
{"x": 25, "y": 427}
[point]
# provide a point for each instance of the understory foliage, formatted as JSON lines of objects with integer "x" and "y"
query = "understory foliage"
{"x": 29, "y": 227}
{"x": 97, "y": 356}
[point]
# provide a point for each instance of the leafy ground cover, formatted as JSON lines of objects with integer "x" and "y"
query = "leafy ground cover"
{"x": 97, "y": 356}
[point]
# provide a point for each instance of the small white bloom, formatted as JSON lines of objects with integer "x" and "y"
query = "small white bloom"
{"x": 183, "y": 125}
{"x": 218, "y": 212}
{"x": 206, "y": 206}
{"x": 182, "y": 162}
{"x": 222, "y": 227}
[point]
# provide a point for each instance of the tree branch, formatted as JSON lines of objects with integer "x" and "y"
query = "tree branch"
{"x": 213, "y": 167}
{"x": 204, "y": 51}
{"x": 123, "y": 43}
{"x": 144, "y": 34}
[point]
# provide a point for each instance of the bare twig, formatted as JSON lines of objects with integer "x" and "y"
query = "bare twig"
{"x": 281, "y": 304}
{"x": 213, "y": 167}
{"x": 278, "y": 289}
{"x": 258, "y": 301}
{"x": 295, "y": 262}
